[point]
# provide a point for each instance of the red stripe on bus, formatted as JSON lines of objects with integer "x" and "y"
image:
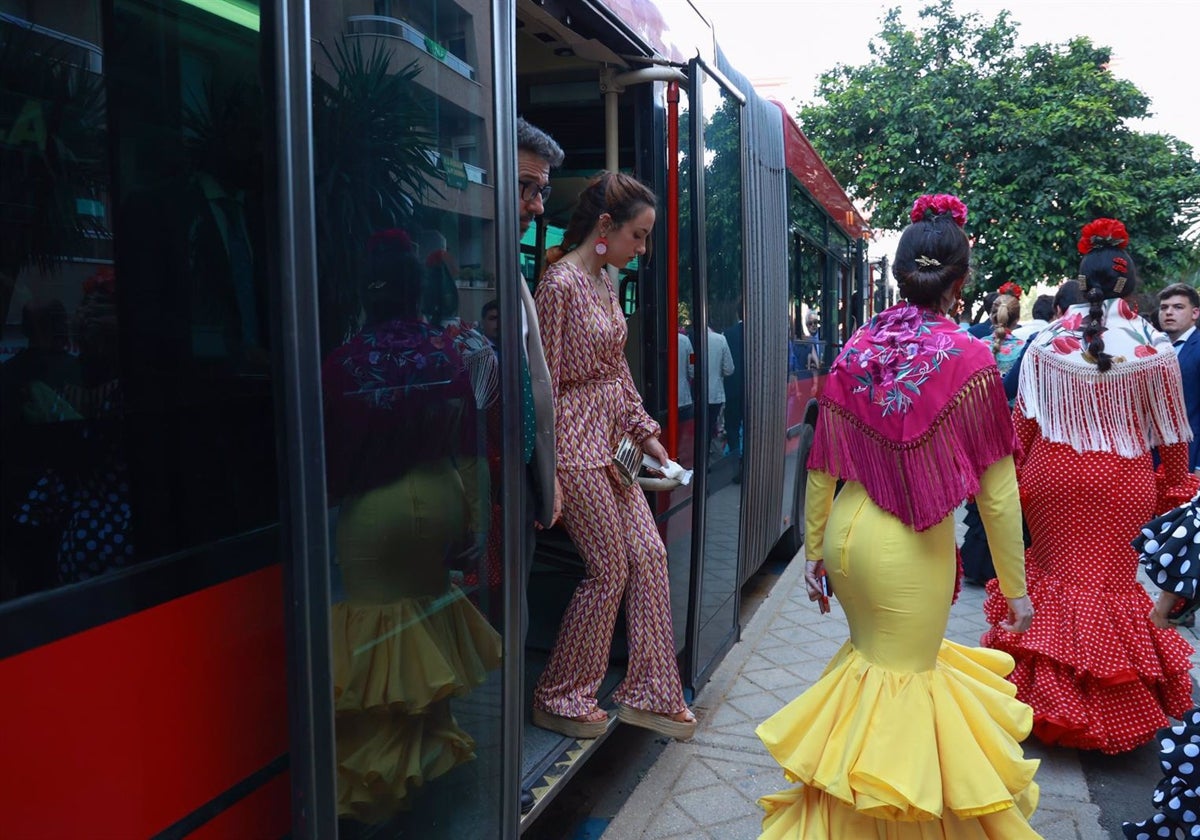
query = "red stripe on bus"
{"x": 124, "y": 729}
{"x": 263, "y": 815}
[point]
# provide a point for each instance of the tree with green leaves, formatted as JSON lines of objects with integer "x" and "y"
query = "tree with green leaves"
{"x": 722, "y": 211}
{"x": 1036, "y": 140}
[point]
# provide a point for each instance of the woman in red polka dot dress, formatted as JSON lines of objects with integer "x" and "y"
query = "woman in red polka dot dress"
{"x": 1100, "y": 388}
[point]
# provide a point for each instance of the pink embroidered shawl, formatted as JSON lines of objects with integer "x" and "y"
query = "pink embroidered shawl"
{"x": 914, "y": 410}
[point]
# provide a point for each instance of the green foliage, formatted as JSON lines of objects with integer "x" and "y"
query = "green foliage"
{"x": 808, "y": 221}
{"x": 722, "y": 209}
{"x": 374, "y": 133}
{"x": 1036, "y": 140}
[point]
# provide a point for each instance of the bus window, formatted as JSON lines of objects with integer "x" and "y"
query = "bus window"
{"x": 406, "y": 209}
{"x": 137, "y": 403}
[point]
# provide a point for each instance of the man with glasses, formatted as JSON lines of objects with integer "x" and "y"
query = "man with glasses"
{"x": 533, "y": 195}
{"x": 537, "y": 153}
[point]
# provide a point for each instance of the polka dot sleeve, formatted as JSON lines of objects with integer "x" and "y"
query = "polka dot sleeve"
{"x": 1176, "y": 485}
{"x": 1169, "y": 550}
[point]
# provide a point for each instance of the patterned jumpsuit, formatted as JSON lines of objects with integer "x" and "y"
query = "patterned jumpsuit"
{"x": 595, "y": 403}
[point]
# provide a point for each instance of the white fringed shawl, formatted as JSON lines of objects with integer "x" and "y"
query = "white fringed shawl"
{"x": 1135, "y": 405}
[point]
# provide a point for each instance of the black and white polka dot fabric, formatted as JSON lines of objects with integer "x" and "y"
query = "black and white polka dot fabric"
{"x": 1177, "y": 796}
{"x": 90, "y": 509}
{"x": 1169, "y": 550}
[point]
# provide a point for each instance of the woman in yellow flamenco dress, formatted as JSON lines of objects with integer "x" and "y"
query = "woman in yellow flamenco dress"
{"x": 404, "y": 462}
{"x": 908, "y": 736}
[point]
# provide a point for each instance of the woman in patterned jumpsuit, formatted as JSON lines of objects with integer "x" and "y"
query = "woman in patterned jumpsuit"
{"x": 596, "y": 403}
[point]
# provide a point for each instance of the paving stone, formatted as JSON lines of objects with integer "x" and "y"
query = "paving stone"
{"x": 826, "y": 649}
{"x": 1059, "y": 772}
{"x": 743, "y": 688}
{"x": 1079, "y": 823}
{"x": 753, "y": 781}
{"x": 804, "y": 674}
{"x": 798, "y": 635}
{"x": 744, "y": 742}
{"x": 746, "y": 828}
{"x": 769, "y": 679}
{"x": 788, "y": 654}
{"x": 713, "y": 805}
{"x": 726, "y": 715}
{"x": 830, "y": 628}
{"x": 757, "y": 662}
{"x": 757, "y": 707}
{"x": 670, "y": 820}
{"x": 697, "y": 775}
{"x": 742, "y": 731}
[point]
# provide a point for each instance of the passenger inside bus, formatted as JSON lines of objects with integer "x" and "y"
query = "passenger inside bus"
{"x": 610, "y": 522}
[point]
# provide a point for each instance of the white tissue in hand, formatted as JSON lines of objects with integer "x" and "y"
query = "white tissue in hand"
{"x": 671, "y": 470}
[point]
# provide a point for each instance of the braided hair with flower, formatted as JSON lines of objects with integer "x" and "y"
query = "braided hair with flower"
{"x": 1105, "y": 272}
{"x": 1006, "y": 311}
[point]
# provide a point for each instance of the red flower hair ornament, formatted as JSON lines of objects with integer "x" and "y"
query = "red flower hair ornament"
{"x": 441, "y": 259}
{"x": 928, "y": 207}
{"x": 104, "y": 281}
{"x": 1010, "y": 288}
{"x": 1103, "y": 233}
{"x": 391, "y": 236}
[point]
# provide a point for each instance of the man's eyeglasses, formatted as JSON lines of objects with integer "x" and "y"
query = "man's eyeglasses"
{"x": 529, "y": 189}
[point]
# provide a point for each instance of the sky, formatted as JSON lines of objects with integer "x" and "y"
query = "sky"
{"x": 1154, "y": 43}
{"x": 1154, "y": 46}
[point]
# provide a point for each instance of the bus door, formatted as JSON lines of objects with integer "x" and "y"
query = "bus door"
{"x": 714, "y": 175}
{"x": 415, "y": 225}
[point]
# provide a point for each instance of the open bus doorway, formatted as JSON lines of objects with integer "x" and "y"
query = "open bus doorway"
{"x": 559, "y": 69}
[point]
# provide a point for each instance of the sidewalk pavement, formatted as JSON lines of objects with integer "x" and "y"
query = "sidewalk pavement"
{"x": 708, "y": 787}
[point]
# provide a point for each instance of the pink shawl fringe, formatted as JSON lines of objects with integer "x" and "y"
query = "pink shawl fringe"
{"x": 922, "y": 480}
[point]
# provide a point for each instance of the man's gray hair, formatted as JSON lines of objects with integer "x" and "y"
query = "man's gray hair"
{"x": 532, "y": 139}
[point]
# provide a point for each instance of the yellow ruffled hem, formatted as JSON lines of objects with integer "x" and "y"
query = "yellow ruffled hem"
{"x": 383, "y": 758}
{"x": 805, "y": 813}
{"x": 404, "y": 655}
{"x": 900, "y": 746}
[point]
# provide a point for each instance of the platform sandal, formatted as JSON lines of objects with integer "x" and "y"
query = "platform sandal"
{"x": 573, "y": 727}
{"x": 680, "y": 730}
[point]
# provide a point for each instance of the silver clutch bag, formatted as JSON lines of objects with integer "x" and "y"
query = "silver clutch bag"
{"x": 628, "y": 460}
